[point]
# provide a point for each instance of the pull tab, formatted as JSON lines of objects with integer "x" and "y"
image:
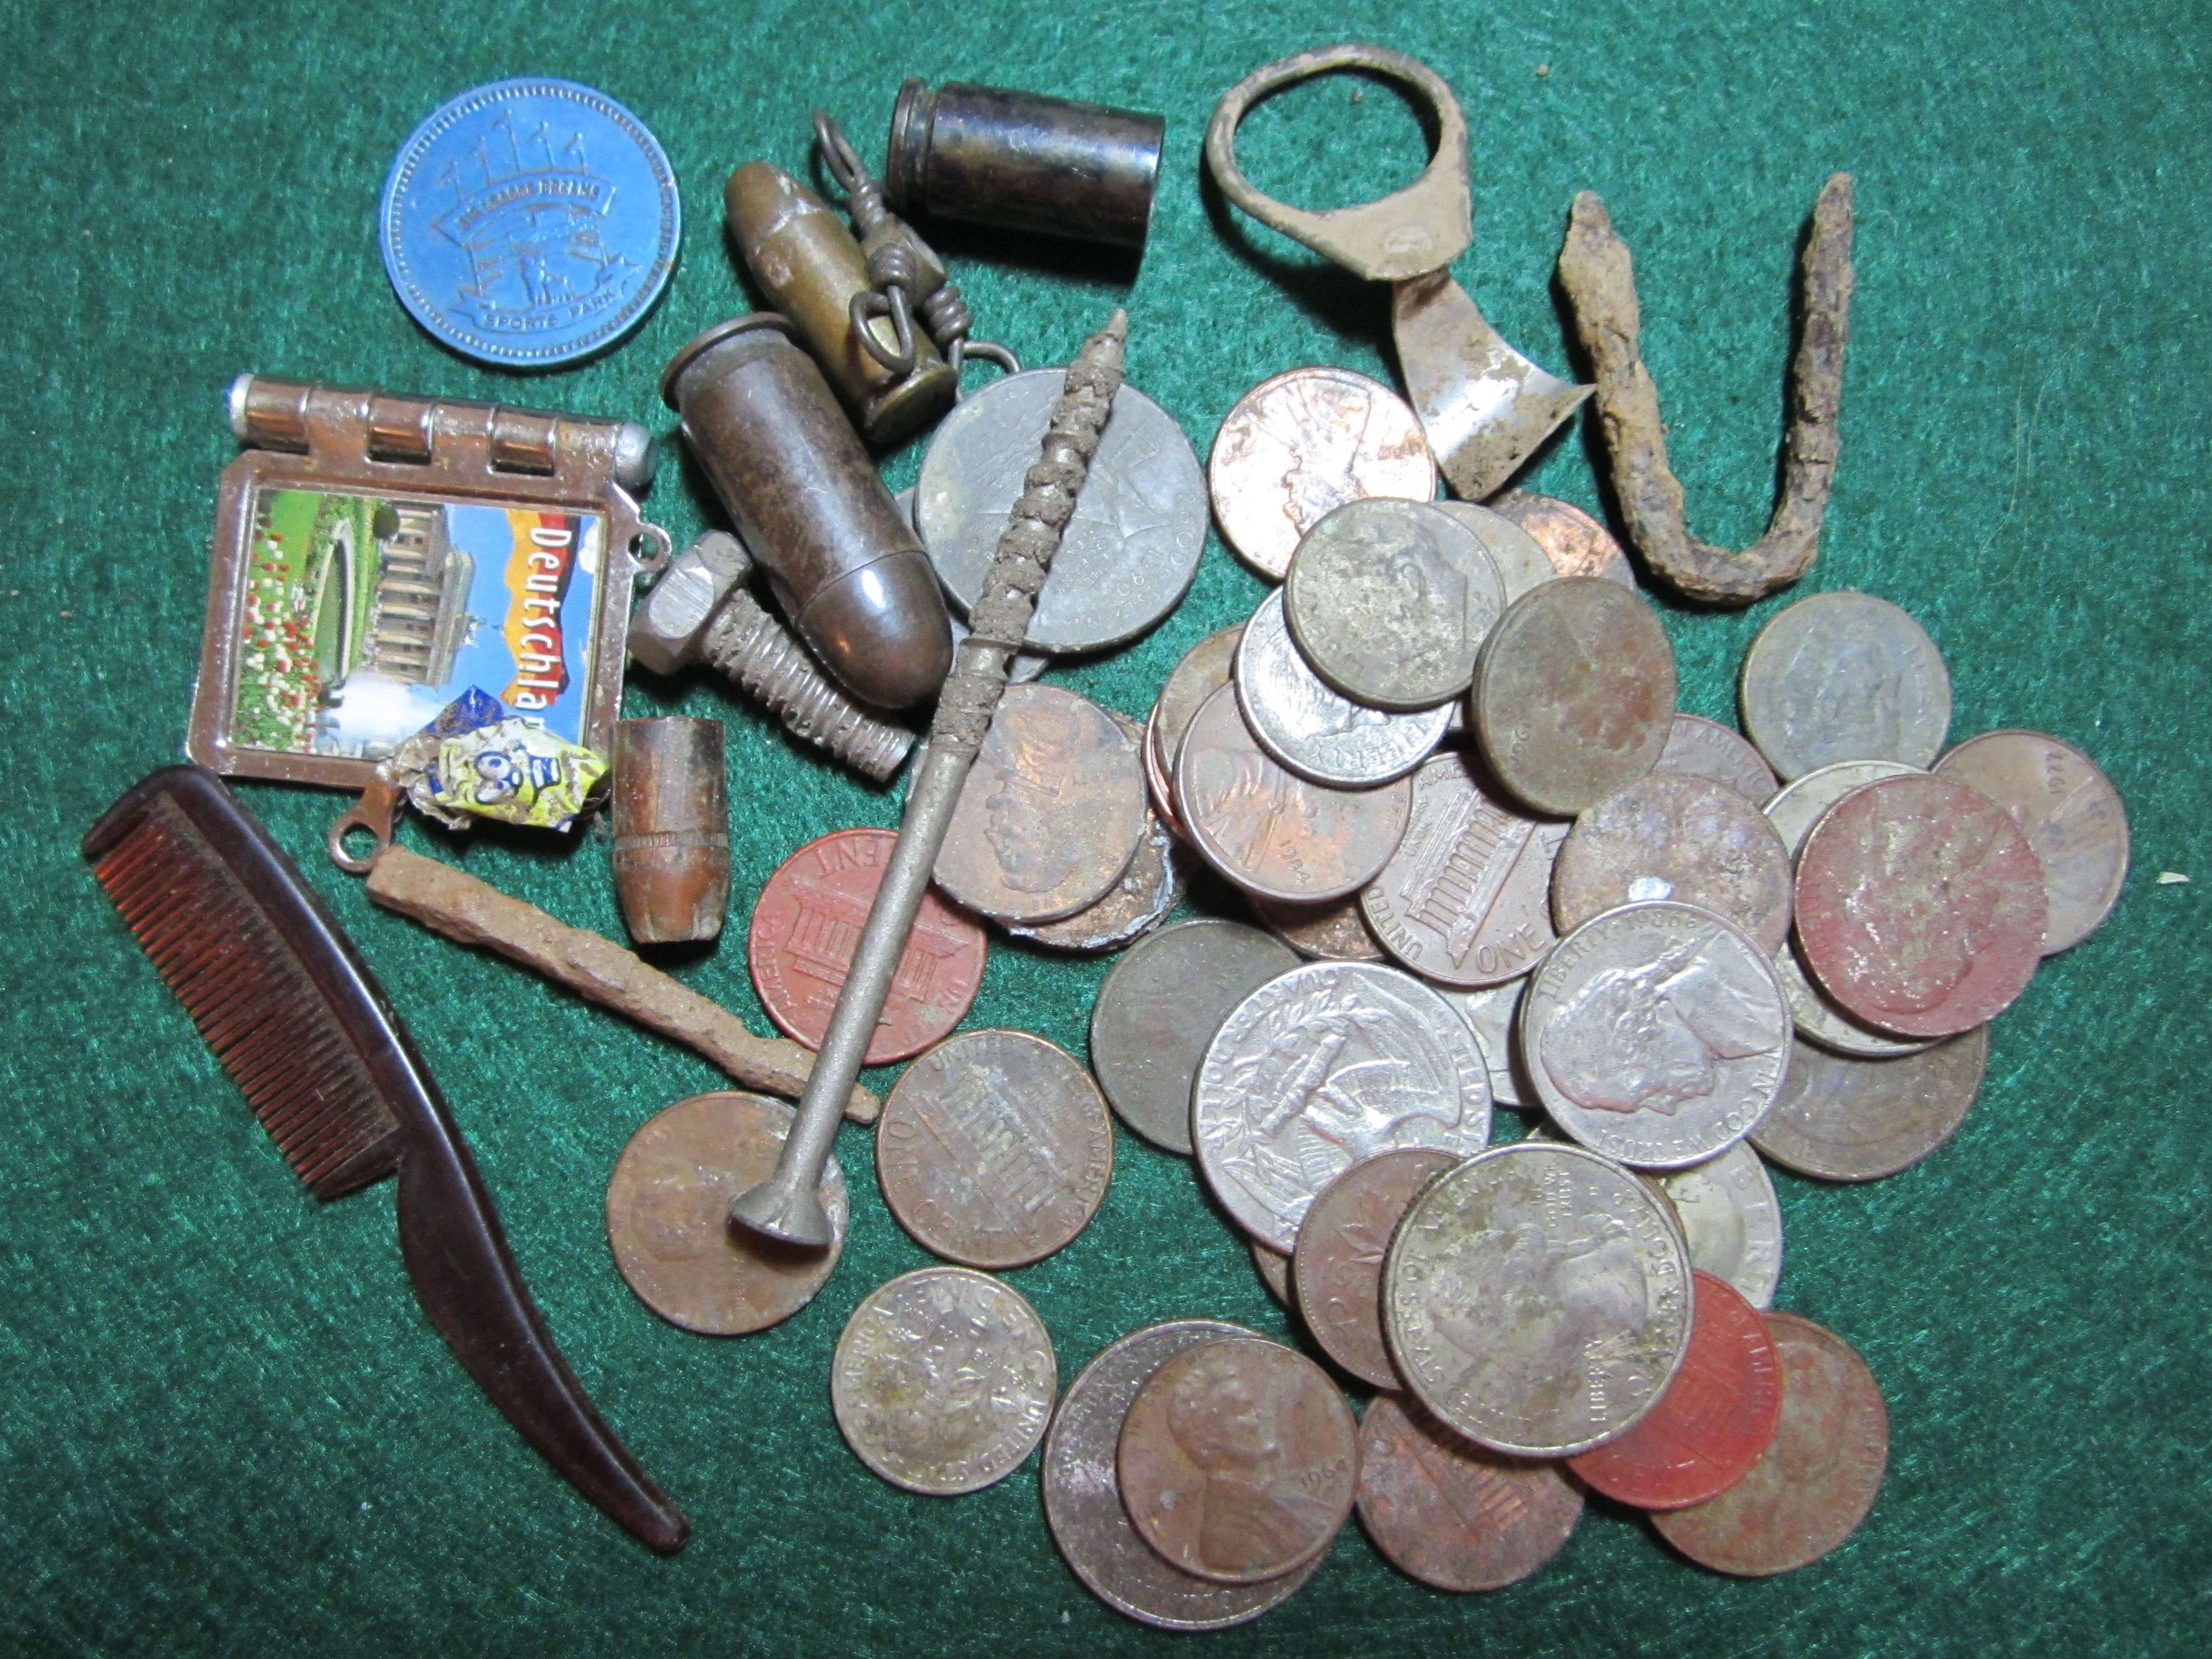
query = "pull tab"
{"x": 372, "y": 812}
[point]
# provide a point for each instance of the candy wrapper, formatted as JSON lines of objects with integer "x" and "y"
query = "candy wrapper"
{"x": 478, "y": 761}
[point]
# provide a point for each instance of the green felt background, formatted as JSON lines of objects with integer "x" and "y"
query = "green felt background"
{"x": 224, "y": 1425}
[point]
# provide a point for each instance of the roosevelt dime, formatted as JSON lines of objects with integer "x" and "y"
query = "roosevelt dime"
{"x": 1454, "y": 1514}
{"x": 1306, "y": 726}
{"x": 1538, "y": 1299}
{"x": 1817, "y": 1017}
{"x": 1338, "y": 1264}
{"x": 1729, "y": 1215}
{"x": 1858, "y": 1120}
{"x": 1707, "y": 749}
{"x": 1657, "y": 1034}
{"x": 1577, "y": 544}
{"x": 1520, "y": 557}
{"x": 943, "y": 1380}
{"x": 1845, "y": 676}
{"x": 1321, "y": 1067}
{"x": 1675, "y": 836}
{"x": 2072, "y": 815}
{"x": 1799, "y": 805}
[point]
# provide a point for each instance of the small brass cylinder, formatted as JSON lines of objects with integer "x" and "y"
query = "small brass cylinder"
{"x": 1024, "y": 160}
{"x": 841, "y": 559}
{"x": 672, "y": 853}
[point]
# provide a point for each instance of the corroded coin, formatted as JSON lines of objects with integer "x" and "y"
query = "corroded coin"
{"x": 1729, "y": 1215}
{"x": 806, "y": 925}
{"x": 994, "y": 1148}
{"x": 1921, "y": 906}
{"x": 1578, "y": 545}
{"x": 668, "y": 1216}
{"x": 1026, "y": 665}
{"x": 1493, "y": 1012}
{"x": 1520, "y": 557}
{"x": 1657, "y": 1034}
{"x": 1051, "y": 813}
{"x": 1160, "y": 1008}
{"x": 1239, "y": 1461}
{"x": 1083, "y": 1494}
{"x": 1453, "y": 1514}
{"x": 1819, "y": 1478}
{"x": 1465, "y": 900}
{"x": 1274, "y": 1270}
{"x": 1333, "y": 930}
{"x": 1273, "y": 832}
{"x": 1716, "y": 1417}
{"x": 1859, "y": 1120}
{"x": 1299, "y": 446}
{"x": 943, "y": 1380}
{"x": 1707, "y": 749}
{"x": 1574, "y": 693}
{"x": 1152, "y": 886}
{"x": 1130, "y": 551}
{"x": 1301, "y": 721}
{"x": 1390, "y": 600}
{"x": 1671, "y": 835}
{"x": 1338, "y": 1264}
{"x": 1845, "y": 676}
{"x": 1537, "y": 1298}
{"x": 2072, "y": 815}
{"x": 1319, "y": 1068}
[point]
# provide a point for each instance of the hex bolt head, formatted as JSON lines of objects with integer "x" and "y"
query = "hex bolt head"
{"x": 670, "y": 625}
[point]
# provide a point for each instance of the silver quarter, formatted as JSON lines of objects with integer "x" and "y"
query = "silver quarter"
{"x": 1841, "y": 1119}
{"x": 1158, "y": 1009}
{"x": 1133, "y": 547}
{"x": 1493, "y": 1012}
{"x": 1520, "y": 557}
{"x": 1707, "y": 749}
{"x": 1301, "y": 721}
{"x": 1538, "y": 1299}
{"x": 2072, "y": 816}
{"x": 1673, "y": 835}
{"x": 1026, "y": 665}
{"x": 1730, "y": 1216}
{"x": 1845, "y": 676}
{"x": 1319, "y": 1068}
{"x": 1657, "y": 1034}
{"x": 943, "y": 1380}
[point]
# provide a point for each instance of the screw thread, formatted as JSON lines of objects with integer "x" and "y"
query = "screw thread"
{"x": 753, "y": 648}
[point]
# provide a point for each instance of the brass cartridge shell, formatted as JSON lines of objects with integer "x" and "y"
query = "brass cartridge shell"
{"x": 841, "y": 559}
{"x": 671, "y": 851}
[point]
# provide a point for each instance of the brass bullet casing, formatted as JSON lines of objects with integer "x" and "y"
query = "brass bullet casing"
{"x": 811, "y": 268}
{"x": 1024, "y": 160}
{"x": 672, "y": 853}
{"x": 841, "y": 559}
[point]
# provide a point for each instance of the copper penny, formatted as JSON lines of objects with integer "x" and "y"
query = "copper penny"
{"x": 1159, "y": 788}
{"x": 2072, "y": 815}
{"x": 1921, "y": 906}
{"x": 1715, "y": 1420}
{"x": 1152, "y": 886}
{"x": 668, "y": 1216}
{"x": 1052, "y": 812}
{"x": 1239, "y": 1461}
{"x": 994, "y": 1149}
{"x": 807, "y": 924}
{"x": 1271, "y": 831}
{"x": 1336, "y": 930}
{"x": 1816, "y": 1483}
{"x": 1577, "y": 545}
{"x": 1465, "y": 900}
{"x": 1204, "y": 669}
{"x": 1274, "y": 1270}
{"x": 1299, "y": 446}
{"x": 1453, "y": 1514}
{"x": 1574, "y": 693}
{"x": 1671, "y": 835}
{"x": 1707, "y": 749}
{"x": 1844, "y": 1119}
{"x": 1338, "y": 1264}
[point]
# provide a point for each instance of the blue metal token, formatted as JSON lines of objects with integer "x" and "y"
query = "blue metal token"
{"x": 530, "y": 223}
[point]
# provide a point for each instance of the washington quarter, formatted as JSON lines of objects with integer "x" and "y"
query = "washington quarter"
{"x": 2072, "y": 816}
{"x": 1729, "y": 1212}
{"x": 1671, "y": 835}
{"x": 1707, "y": 749}
{"x": 1301, "y": 721}
{"x": 1453, "y": 1514}
{"x": 1845, "y": 676}
{"x": 1857, "y": 1119}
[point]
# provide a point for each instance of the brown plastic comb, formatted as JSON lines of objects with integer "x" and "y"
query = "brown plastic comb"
{"x": 295, "y": 1018}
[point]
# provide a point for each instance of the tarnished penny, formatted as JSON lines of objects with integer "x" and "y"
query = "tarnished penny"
{"x": 943, "y": 1380}
{"x": 1716, "y": 1417}
{"x": 1152, "y": 886}
{"x": 1577, "y": 545}
{"x": 1390, "y": 600}
{"x": 1453, "y": 1514}
{"x": 1333, "y": 931}
{"x": 1051, "y": 813}
{"x": 1493, "y": 1012}
{"x": 1574, "y": 693}
{"x": 1204, "y": 669}
{"x": 1239, "y": 1461}
{"x": 1671, "y": 835}
{"x": 1083, "y": 1494}
{"x": 1274, "y": 1270}
{"x": 994, "y": 1148}
{"x": 1159, "y": 786}
{"x": 1160, "y": 1008}
{"x": 1465, "y": 900}
{"x": 1272, "y": 832}
{"x": 1921, "y": 906}
{"x": 1841, "y": 1119}
{"x": 806, "y": 925}
{"x": 1817, "y": 1479}
{"x": 1319, "y": 1068}
{"x": 1520, "y": 557}
{"x": 1657, "y": 1034}
{"x": 668, "y": 1216}
{"x": 2073, "y": 818}
{"x": 1537, "y": 1298}
{"x": 1707, "y": 749}
{"x": 1338, "y": 1264}
{"x": 1731, "y": 1219}
{"x": 1845, "y": 676}
{"x": 1300, "y": 720}
{"x": 1296, "y": 447}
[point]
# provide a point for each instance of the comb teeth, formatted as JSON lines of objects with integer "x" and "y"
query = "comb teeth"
{"x": 252, "y": 1000}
